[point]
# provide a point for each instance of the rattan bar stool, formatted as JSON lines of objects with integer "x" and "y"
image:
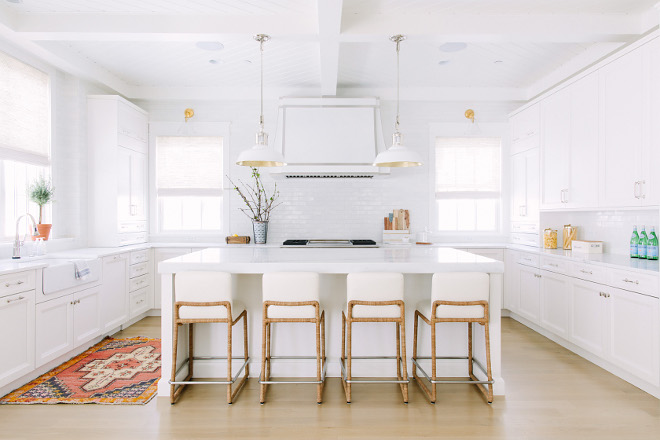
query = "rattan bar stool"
{"x": 374, "y": 297}
{"x": 456, "y": 297}
{"x": 292, "y": 297}
{"x": 206, "y": 297}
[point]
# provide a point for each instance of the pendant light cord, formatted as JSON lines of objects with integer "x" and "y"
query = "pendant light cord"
{"x": 396, "y": 125}
{"x": 261, "y": 115}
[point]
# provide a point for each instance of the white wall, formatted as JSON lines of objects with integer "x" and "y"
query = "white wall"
{"x": 337, "y": 208}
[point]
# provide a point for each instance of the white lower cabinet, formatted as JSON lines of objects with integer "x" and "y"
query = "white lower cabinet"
{"x": 555, "y": 297}
{"x": 530, "y": 293}
{"x": 67, "y": 322}
{"x": 633, "y": 333}
{"x": 114, "y": 291}
{"x": 16, "y": 336}
{"x": 588, "y": 317}
{"x": 511, "y": 281}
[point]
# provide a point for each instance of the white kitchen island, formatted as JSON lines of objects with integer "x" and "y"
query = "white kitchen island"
{"x": 249, "y": 262}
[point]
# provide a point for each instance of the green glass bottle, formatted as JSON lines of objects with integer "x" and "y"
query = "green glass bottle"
{"x": 643, "y": 243}
{"x": 652, "y": 248}
{"x": 634, "y": 244}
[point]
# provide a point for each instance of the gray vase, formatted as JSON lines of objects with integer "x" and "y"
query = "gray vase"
{"x": 260, "y": 230}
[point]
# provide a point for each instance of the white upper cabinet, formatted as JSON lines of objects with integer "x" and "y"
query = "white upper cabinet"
{"x": 651, "y": 145}
{"x": 621, "y": 125}
{"x": 525, "y": 186}
{"x": 569, "y": 146}
{"x": 525, "y": 129}
{"x": 117, "y": 134}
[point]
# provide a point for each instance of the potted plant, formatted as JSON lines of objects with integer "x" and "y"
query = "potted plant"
{"x": 41, "y": 192}
{"x": 259, "y": 204}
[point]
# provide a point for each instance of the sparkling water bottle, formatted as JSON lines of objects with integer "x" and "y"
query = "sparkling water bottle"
{"x": 652, "y": 248}
{"x": 643, "y": 243}
{"x": 634, "y": 244}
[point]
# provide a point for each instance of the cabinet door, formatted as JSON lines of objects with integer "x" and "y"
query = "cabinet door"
{"x": 161, "y": 255}
{"x": 54, "y": 329}
{"x": 525, "y": 124}
{"x": 555, "y": 298}
{"x": 511, "y": 281}
{"x": 138, "y": 190}
{"x": 651, "y": 151}
{"x": 583, "y": 159}
{"x": 532, "y": 185}
{"x": 114, "y": 292}
{"x": 86, "y": 315}
{"x": 123, "y": 185}
{"x": 518, "y": 187}
{"x": 555, "y": 148}
{"x": 16, "y": 336}
{"x": 633, "y": 333}
{"x": 529, "y": 306}
{"x": 621, "y": 98}
{"x": 588, "y": 317}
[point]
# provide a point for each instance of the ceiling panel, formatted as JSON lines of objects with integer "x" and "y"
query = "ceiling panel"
{"x": 163, "y": 64}
{"x": 479, "y": 65}
{"x": 166, "y": 7}
{"x": 398, "y": 7}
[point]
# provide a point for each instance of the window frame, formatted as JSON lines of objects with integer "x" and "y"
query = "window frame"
{"x": 449, "y": 130}
{"x": 188, "y": 129}
{"x": 29, "y": 158}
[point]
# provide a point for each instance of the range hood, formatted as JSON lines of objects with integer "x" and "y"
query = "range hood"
{"x": 329, "y": 137}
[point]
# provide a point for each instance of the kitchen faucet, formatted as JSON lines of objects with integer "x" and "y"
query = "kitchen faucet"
{"x": 17, "y": 242}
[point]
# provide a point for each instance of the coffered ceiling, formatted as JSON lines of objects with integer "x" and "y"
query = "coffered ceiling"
{"x": 513, "y": 49}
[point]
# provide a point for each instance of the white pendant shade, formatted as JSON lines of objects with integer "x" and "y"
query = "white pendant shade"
{"x": 260, "y": 156}
{"x": 398, "y": 155}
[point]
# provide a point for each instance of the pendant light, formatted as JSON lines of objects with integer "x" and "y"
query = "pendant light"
{"x": 397, "y": 155}
{"x": 260, "y": 155}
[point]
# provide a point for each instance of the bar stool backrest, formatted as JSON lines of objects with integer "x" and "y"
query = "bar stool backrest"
{"x": 291, "y": 286}
{"x": 460, "y": 286}
{"x": 202, "y": 286}
{"x": 374, "y": 286}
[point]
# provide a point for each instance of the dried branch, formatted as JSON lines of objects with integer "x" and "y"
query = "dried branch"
{"x": 256, "y": 198}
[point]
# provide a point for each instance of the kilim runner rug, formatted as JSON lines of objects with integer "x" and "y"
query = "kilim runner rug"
{"x": 112, "y": 372}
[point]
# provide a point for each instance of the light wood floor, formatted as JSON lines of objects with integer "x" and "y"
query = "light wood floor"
{"x": 551, "y": 394}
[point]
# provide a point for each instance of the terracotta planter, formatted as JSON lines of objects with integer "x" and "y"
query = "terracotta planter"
{"x": 44, "y": 231}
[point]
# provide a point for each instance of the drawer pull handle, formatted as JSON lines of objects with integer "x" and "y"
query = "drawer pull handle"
{"x": 15, "y": 299}
{"x": 586, "y": 271}
{"x": 626, "y": 280}
{"x": 553, "y": 265}
{"x": 17, "y": 283}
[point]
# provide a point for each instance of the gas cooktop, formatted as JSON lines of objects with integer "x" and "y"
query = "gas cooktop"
{"x": 330, "y": 243}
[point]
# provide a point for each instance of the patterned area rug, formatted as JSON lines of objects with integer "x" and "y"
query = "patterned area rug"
{"x": 114, "y": 371}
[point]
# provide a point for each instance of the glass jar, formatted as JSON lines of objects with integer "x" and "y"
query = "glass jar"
{"x": 550, "y": 238}
{"x": 570, "y": 234}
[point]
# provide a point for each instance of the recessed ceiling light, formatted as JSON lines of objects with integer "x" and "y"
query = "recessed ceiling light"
{"x": 443, "y": 62}
{"x": 453, "y": 47}
{"x": 214, "y": 61}
{"x": 210, "y": 45}
{"x": 498, "y": 62}
{"x": 15, "y": 1}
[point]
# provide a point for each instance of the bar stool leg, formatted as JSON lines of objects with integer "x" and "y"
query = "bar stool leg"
{"x": 175, "y": 345}
{"x": 229, "y": 356}
{"x": 319, "y": 387}
{"x": 348, "y": 360}
{"x": 269, "y": 337}
{"x": 262, "y": 387}
{"x": 404, "y": 386}
{"x": 434, "y": 368}
{"x": 488, "y": 369}
{"x": 470, "y": 348}
{"x": 415, "y": 330}
{"x": 245, "y": 345}
{"x": 191, "y": 350}
{"x": 398, "y": 351}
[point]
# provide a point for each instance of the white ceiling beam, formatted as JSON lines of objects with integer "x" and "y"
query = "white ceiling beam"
{"x": 96, "y": 27}
{"x": 554, "y": 28}
{"x": 65, "y": 60}
{"x": 442, "y": 94}
{"x": 329, "y": 12}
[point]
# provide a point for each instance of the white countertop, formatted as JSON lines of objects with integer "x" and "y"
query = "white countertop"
{"x": 255, "y": 259}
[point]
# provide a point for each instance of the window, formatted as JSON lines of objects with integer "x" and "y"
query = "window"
{"x": 24, "y": 138}
{"x": 467, "y": 184}
{"x": 189, "y": 178}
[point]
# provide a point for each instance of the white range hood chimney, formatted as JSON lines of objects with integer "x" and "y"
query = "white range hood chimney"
{"x": 329, "y": 137}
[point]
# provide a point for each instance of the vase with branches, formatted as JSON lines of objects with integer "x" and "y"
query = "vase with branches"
{"x": 41, "y": 192}
{"x": 259, "y": 203}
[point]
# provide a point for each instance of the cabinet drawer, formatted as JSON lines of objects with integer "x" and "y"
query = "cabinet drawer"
{"x": 138, "y": 283}
{"x": 528, "y": 259}
{"x": 524, "y": 227}
{"x": 138, "y": 269}
{"x": 634, "y": 281}
{"x": 138, "y": 302}
{"x": 589, "y": 272}
{"x": 139, "y": 257}
{"x": 132, "y": 238}
{"x": 555, "y": 265}
{"x": 525, "y": 239}
{"x": 16, "y": 282}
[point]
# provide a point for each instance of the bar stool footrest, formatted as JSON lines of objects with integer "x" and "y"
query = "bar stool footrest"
{"x": 209, "y": 382}
{"x": 436, "y": 381}
{"x": 292, "y": 381}
{"x": 343, "y": 371}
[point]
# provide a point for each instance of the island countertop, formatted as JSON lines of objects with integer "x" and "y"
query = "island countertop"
{"x": 255, "y": 260}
